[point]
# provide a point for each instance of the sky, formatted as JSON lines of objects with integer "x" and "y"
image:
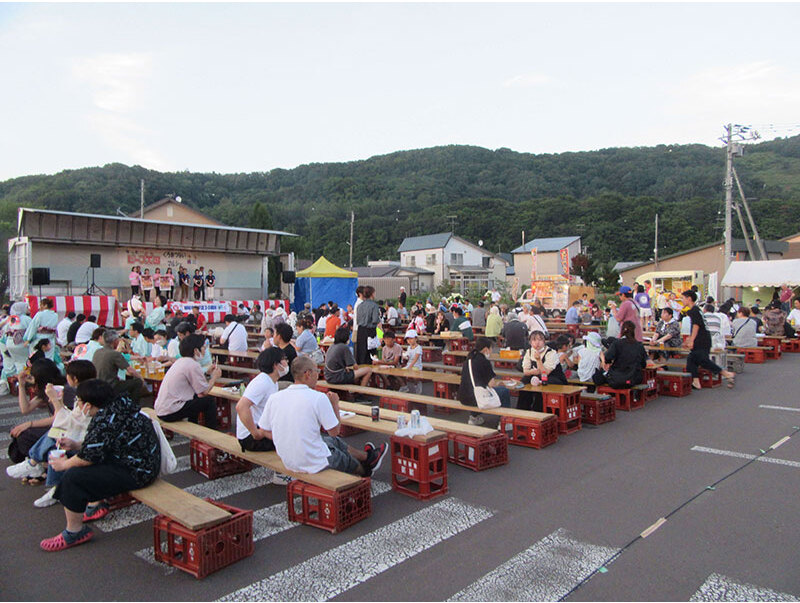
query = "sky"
{"x": 252, "y": 87}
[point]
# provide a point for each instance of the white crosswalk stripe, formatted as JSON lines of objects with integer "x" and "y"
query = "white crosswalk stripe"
{"x": 545, "y": 572}
{"x": 266, "y": 522}
{"x": 333, "y": 572}
{"x": 744, "y": 455}
{"x": 721, "y": 588}
{"x": 9, "y": 421}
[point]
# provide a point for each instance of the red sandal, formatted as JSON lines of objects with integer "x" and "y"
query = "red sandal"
{"x": 59, "y": 543}
{"x": 95, "y": 512}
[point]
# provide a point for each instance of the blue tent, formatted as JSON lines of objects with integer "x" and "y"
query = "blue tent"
{"x": 323, "y": 282}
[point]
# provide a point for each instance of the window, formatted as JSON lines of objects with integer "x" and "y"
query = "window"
{"x": 411, "y": 260}
{"x": 430, "y": 259}
{"x": 456, "y": 259}
{"x": 486, "y": 262}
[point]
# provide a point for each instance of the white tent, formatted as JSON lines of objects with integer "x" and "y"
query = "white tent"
{"x": 771, "y": 273}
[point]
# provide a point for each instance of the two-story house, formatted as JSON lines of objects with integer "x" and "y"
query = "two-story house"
{"x": 453, "y": 259}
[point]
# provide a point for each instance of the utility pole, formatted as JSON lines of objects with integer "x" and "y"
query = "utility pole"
{"x": 759, "y": 241}
{"x": 352, "y": 220}
{"x": 452, "y": 223}
{"x": 728, "y": 202}
{"x": 141, "y": 198}
{"x": 655, "y": 246}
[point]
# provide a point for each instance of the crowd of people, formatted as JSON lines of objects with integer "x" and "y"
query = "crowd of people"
{"x": 95, "y": 443}
{"x": 199, "y": 286}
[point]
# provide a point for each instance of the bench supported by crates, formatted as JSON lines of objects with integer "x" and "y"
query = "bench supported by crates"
{"x": 223, "y": 415}
{"x": 649, "y": 379}
{"x": 452, "y": 359}
{"x": 790, "y": 345}
{"x": 431, "y": 353}
{"x": 329, "y": 480}
{"x": 214, "y": 463}
{"x": 625, "y": 399}
{"x": 597, "y": 409}
{"x": 674, "y": 383}
{"x": 772, "y": 347}
{"x": 522, "y": 427}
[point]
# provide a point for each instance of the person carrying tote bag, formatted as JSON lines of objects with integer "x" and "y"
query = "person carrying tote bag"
{"x": 478, "y": 384}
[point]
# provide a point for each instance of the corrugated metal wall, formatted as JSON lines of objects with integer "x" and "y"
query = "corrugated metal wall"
{"x": 386, "y": 287}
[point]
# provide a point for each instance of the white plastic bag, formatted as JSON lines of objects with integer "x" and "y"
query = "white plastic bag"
{"x": 169, "y": 464}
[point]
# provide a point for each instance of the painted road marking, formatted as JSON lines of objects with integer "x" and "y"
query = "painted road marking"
{"x": 329, "y": 574}
{"x": 779, "y": 407}
{"x": 17, "y": 420}
{"x": 742, "y": 455}
{"x": 721, "y": 588}
{"x": 215, "y": 489}
{"x": 545, "y": 572}
{"x": 266, "y": 522}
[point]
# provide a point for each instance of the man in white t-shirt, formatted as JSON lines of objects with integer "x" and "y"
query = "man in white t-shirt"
{"x": 62, "y": 328}
{"x": 272, "y": 364}
{"x": 292, "y": 419}
{"x": 794, "y": 316}
{"x": 86, "y": 329}
{"x": 235, "y": 334}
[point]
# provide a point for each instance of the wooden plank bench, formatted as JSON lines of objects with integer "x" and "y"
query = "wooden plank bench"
{"x": 335, "y": 490}
{"x": 522, "y": 427}
{"x": 419, "y": 463}
{"x": 458, "y": 357}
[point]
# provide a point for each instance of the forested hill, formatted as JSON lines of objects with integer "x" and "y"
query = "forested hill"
{"x": 609, "y": 197}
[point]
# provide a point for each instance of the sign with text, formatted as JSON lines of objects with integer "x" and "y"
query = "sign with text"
{"x": 565, "y": 261}
{"x": 160, "y": 258}
{"x": 534, "y": 252}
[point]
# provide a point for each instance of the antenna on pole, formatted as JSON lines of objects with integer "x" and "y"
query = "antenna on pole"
{"x": 453, "y": 220}
{"x": 655, "y": 246}
{"x": 352, "y": 220}
{"x": 141, "y": 198}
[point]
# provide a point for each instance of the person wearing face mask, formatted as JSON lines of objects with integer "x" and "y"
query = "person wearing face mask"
{"x": 184, "y": 391}
{"x": 271, "y": 362}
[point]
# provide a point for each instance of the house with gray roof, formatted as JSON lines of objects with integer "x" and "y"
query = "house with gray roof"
{"x": 548, "y": 257}
{"x": 451, "y": 258}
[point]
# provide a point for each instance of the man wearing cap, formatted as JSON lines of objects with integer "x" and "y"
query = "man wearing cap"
{"x": 627, "y": 311}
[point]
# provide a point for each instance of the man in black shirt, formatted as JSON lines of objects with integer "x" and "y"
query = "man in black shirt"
{"x": 699, "y": 342}
{"x": 515, "y": 333}
{"x": 73, "y": 328}
{"x": 282, "y": 339}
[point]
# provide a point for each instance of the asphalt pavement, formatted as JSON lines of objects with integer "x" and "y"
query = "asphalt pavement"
{"x": 564, "y": 522}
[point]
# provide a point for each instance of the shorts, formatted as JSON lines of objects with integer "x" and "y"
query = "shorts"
{"x": 346, "y": 377}
{"x": 340, "y": 459}
{"x": 646, "y": 312}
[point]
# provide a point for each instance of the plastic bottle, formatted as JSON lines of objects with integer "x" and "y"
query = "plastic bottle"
{"x": 414, "y": 419}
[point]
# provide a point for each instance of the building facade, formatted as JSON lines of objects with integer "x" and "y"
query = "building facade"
{"x": 549, "y": 257}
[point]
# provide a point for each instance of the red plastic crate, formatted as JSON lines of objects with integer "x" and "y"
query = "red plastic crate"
{"x": 649, "y": 378}
{"x": 202, "y": 552}
{"x": 13, "y": 385}
{"x": 478, "y": 454}
{"x": 709, "y": 379}
{"x": 419, "y": 469}
{"x": 533, "y": 433}
{"x": 452, "y": 359}
{"x": 675, "y": 384}
{"x": 431, "y": 354}
{"x": 328, "y": 509}
{"x": 790, "y": 345}
{"x": 120, "y": 501}
{"x": 624, "y": 399}
{"x": 213, "y": 463}
{"x": 567, "y": 409}
{"x": 598, "y": 410}
{"x": 448, "y": 391}
{"x": 401, "y": 405}
{"x": 223, "y": 415}
{"x": 754, "y": 355}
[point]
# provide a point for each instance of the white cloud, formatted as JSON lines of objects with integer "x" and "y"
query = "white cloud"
{"x": 117, "y": 81}
{"x": 527, "y": 80}
{"x": 753, "y": 92}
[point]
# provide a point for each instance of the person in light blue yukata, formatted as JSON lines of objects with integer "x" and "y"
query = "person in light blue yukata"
{"x": 139, "y": 346}
{"x": 573, "y": 316}
{"x": 43, "y": 325}
{"x": 155, "y": 318}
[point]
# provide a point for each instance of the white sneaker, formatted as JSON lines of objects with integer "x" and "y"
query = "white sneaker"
{"x": 475, "y": 420}
{"x": 46, "y": 500}
{"x": 25, "y": 469}
{"x": 279, "y": 479}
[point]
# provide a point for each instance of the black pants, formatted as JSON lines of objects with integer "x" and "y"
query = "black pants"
{"x": 207, "y": 406}
{"x": 262, "y": 445}
{"x": 81, "y": 485}
{"x": 530, "y": 401}
{"x": 362, "y": 355}
{"x": 146, "y": 294}
{"x": 698, "y": 359}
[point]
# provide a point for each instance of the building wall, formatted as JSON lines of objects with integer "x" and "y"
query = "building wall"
{"x": 470, "y": 257}
{"x": 238, "y": 276}
{"x": 386, "y": 287}
{"x": 709, "y": 260}
{"x": 175, "y": 212}
{"x": 547, "y": 264}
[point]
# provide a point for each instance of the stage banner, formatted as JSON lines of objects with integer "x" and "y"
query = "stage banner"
{"x": 215, "y": 311}
{"x": 105, "y": 307}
